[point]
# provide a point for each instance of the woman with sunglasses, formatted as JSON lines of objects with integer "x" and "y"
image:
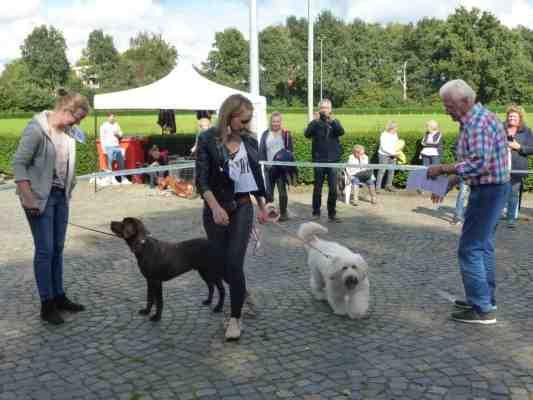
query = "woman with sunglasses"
{"x": 227, "y": 173}
{"x": 44, "y": 167}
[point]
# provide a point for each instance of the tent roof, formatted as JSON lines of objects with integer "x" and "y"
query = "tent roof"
{"x": 182, "y": 89}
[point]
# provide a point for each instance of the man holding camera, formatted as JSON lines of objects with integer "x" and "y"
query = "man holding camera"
{"x": 324, "y": 133}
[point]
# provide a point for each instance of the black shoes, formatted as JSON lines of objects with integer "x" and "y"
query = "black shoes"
{"x": 334, "y": 219}
{"x": 65, "y": 304}
{"x": 50, "y": 314}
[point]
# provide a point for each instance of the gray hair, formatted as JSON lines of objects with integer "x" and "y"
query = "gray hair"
{"x": 457, "y": 89}
{"x": 325, "y": 102}
{"x": 391, "y": 125}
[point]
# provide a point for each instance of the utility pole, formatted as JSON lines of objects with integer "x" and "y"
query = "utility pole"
{"x": 310, "y": 60}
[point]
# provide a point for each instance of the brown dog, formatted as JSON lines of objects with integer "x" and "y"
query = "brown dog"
{"x": 162, "y": 261}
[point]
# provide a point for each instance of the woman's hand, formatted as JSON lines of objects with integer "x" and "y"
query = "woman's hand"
{"x": 29, "y": 204}
{"x": 220, "y": 216}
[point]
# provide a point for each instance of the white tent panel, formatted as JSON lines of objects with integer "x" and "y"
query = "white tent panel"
{"x": 182, "y": 89}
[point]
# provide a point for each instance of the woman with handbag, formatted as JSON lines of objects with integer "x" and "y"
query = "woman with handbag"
{"x": 274, "y": 142}
{"x": 227, "y": 174}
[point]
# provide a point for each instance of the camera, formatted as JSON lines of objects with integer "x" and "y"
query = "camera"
{"x": 323, "y": 116}
{"x": 510, "y": 138}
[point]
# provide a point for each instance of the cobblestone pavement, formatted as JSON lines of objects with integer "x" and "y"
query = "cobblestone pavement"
{"x": 295, "y": 348}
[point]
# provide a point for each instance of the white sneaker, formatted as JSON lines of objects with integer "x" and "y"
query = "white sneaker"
{"x": 114, "y": 181}
{"x": 233, "y": 330}
{"x": 250, "y": 305}
{"x": 125, "y": 181}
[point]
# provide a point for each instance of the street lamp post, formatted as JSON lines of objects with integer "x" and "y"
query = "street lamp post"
{"x": 321, "y": 67}
{"x": 310, "y": 60}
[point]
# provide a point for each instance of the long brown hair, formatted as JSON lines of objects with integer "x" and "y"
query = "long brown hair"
{"x": 230, "y": 108}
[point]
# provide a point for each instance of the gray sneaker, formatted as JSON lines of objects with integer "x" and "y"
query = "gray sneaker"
{"x": 250, "y": 305}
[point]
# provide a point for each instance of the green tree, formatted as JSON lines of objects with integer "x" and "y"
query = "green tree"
{"x": 275, "y": 59}
{"x": 229, "y": 61}
{"x": 44, "y": 52}
{"x": 150, "y": 56}
{"x": 101, "y": 59}
{"x": 19, "y": 92}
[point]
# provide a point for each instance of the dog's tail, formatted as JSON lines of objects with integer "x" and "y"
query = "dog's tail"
{"x": 307, "y": 231}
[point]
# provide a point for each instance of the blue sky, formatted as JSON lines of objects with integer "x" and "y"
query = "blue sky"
{"x": 191, "y": 24}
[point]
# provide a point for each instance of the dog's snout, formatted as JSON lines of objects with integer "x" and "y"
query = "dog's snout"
{"x": 351, "y": 282}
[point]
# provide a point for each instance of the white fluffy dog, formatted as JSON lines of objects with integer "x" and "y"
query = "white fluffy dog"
{"x": 337, "y": 274}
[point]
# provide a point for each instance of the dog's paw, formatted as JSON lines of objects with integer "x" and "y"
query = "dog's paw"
{"x": 144, "y": 311}
{"x": 155, "y": 318}
{"x": 218, "y": 308}
{"x": 206, "y": 302}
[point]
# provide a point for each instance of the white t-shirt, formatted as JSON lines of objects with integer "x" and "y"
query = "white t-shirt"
{"x": 274, "y": 143}
{"x": 107, "y": 134}
{"x": 241, "y": 173}
{"x": 61, "y": 144}
{"x": 388, "y": 143}
{"x": 431, "y": 151}
{"x": 353, "y": 160}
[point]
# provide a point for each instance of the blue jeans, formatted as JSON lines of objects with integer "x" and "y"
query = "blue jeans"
{"x": 477, "y": 258}
{"x": 430, "y": 160}
{"x": 114, "y": 153}
{"x": 383, "y": 159}
{"x": 460, "y": 201}
{"x": 49, "y": 230}
{"x": 512, "y": 201}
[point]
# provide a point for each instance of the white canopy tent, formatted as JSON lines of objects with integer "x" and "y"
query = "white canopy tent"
{"x": 182, "y": 89}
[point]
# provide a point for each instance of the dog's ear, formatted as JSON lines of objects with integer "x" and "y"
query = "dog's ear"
{"x": 117, "y": 227}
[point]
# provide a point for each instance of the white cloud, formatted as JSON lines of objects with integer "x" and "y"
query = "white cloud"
{"x": 19, "y": 9}
{"x": 191, "y": 26}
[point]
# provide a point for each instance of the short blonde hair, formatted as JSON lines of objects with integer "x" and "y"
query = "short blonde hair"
{"x": 432, "y": 125}
{"x": 359, "y": 147}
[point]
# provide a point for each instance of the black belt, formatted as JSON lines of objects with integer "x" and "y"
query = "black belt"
{"x": 243, "y": 198}
{"x": 58, "y": 189}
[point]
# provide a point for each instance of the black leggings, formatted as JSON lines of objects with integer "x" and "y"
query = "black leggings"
{"x": 230, "y": 243}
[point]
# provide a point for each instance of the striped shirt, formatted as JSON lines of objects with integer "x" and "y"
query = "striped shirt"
{"x": 482, "y": 148}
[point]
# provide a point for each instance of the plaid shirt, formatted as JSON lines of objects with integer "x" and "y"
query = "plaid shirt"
{"x": 482, "y": 149}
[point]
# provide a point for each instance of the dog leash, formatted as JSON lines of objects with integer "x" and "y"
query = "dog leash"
{"x": 294, "y": 236}
{"x": 93, "y": 230}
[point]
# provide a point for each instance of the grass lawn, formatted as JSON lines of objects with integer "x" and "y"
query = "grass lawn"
{"x": 147, "y": 124}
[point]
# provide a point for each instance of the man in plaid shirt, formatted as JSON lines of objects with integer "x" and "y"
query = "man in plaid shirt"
{"x": 483, "y": 162}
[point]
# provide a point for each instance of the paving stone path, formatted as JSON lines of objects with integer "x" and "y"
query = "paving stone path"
{"x": 295, "y": 348}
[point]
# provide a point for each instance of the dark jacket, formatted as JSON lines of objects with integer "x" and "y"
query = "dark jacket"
{"x": 211, "y": 158}
{"x": 438, "y": 145}
{"x": 325, "y": 146}
{"x": 287, "y": 141}
{"x": 272, "y": 173}
{"x": 524, "y": 137}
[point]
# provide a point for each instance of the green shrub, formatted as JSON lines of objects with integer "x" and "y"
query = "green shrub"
{"x": 181, "y": 144}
